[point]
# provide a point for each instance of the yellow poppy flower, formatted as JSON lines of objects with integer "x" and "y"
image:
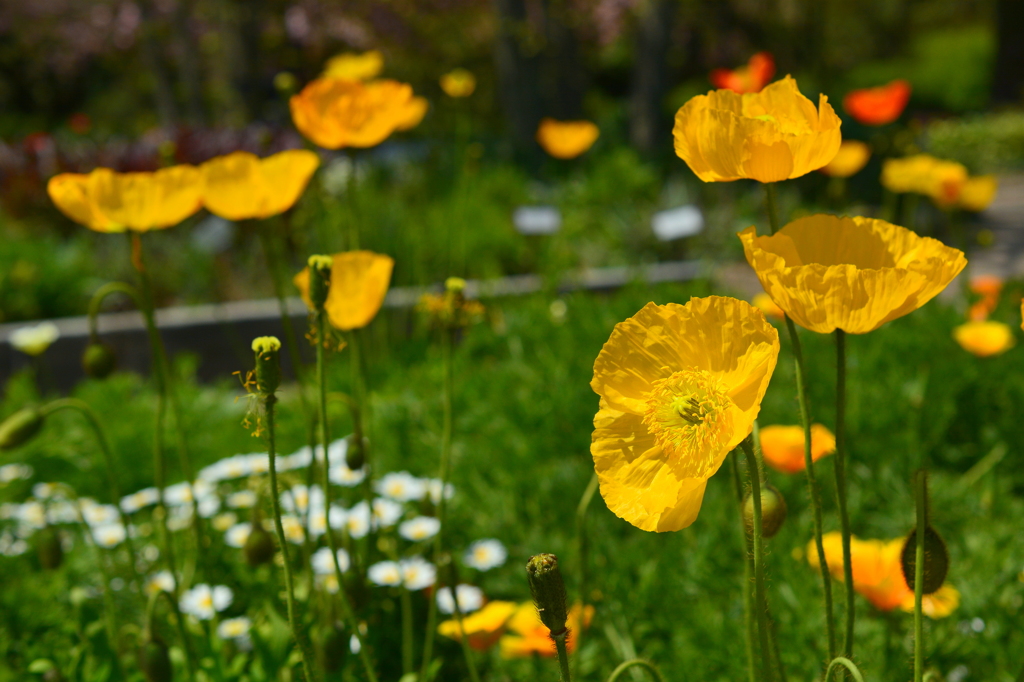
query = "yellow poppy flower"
{"x": 359, "y": 282}
{"x": 984, "y": 338}
{"x": 336, "y": 113}
{"x": 107, "y": 201}
{"x": 978, "y": 192}
{"x": 566, "y": 139}
{"x": 943, "y": 181}
{"x": 355, "y": 66}
{"x": 853, "y": 155}
{"x": 783, "y": 446}
{"x": 766, "y": 136}
{"x": 240, "y": 185}
{"x": 483, "y": 628}
{"x": 853, "y": 274}
{"x": 458, "y": 83}
{"x": 767, "y": 306}
{"x": 533, "y": 637}
{"x": 680, "y": 387}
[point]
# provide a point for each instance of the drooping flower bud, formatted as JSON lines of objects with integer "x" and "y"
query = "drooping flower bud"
{"x": 20, "y": 427}
{"x": 259, "y": 546}
{"x": 319, "y": 280}
{"x": 548, "y": 591}
{"x": 355, "y": 453}
{"x": 98, "y": 360}
{"x": 268, "y": 364}
{"x": 155, "y": 661}
{"x": 936, "y": 560}
{"x": 773, "y": 511}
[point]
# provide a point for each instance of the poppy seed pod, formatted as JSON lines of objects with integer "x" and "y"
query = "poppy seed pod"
{"x": 259, "y": 546}
{"x": 268, "y": 364}
{"x": 319, "y": 280}
{"x": 548, "y": 590}
{"x": 20, "y": 427}
{"x": 936, "y": 560}
{"x": 155, "y": 661}
{"x": 98, "y": 360}
{"x": 773, "y": 511}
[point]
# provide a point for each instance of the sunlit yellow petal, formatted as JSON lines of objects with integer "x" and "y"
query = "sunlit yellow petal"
{"x": 852, "y": 157}
{"x": 147, "y": 201}
{"x": 285, "y": 176}
{"x": 984, "y": 338}
{"x": 359, "y": 283}
{"x": 355, "y": 66}
{"x": 978, "y": 192}
{"x": 70, "y": 193}
{"x": 566, "y": 139}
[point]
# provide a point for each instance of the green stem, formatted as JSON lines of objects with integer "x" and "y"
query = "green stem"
{"x": 350, "y": 200}
{"x": 761, "y": 599}
{"x": 846, "y": 663}
{"x": 922, "y": 521}
{"x": 772, "y": 204}
{"x": 563, "y": 657}
{"x": 407, "y": 653}
{"x": 467, "y": 652}
{"x": 635, "y": 663}
{"x": 346, "y": 608}
{"x": 839, "y": 466}
{"x": 282, "y": 542}
{"x": 581, "y": 537}
{"x": 274, "y": 266}
{"x": 110, "y": 619}
{"x": 772, "y": 625}
{"x": 748, "y": 570}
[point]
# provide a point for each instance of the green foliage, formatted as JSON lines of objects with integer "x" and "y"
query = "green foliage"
{"x": 985, "y": 143}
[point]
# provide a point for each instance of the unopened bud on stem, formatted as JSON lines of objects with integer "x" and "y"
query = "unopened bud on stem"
{"x": 20, "y": 427}
{"x": 98, "y": 360}
{"x": 773, "y": 511}
{"x": 548, "y": 591}
{"x": 268, "y": 364}
{"x": 319, "y": 280}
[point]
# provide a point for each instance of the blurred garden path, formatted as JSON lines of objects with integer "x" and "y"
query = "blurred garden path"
{"x": 1005, "y": 218}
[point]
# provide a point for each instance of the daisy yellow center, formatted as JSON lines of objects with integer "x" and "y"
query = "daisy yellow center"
{"x": 688, "y": 414}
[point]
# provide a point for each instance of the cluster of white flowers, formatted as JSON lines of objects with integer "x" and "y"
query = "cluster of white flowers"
{"x": 414, "y": 573}
{"x": 204, "y": 602}
{"x": 14, "y": 472}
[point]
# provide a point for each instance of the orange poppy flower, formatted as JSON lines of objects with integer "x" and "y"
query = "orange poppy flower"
{"x": 750, "y": 78}
{"x": 988, "y": 288}
{"x": 484, "y": 628}
{"x": 878, "y": 106}
{"x": 783, "y": 446}
{"x": 359, "y": 283}
{"x": 984, "y": 338}
{"x": 533, "y": 637}
{"x": 878, "y": 576}
{"x": 566, "y": 139}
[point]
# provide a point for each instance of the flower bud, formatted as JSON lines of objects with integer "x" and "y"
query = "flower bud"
{"x": 268, "y": 364}
{"x": 48, "y": 546}
{"x": 98, "y": 360}
{"x": 155, "y": 661}
{"x": 355, "y": 453}
{"x": 548, "y": 591}
{"x": 936, "y": 560}
{"x": 20, "y": 427}
{"x": 319, "y": 280}
{"x": 773, "y": 511}
{"x": 259, "y": 546}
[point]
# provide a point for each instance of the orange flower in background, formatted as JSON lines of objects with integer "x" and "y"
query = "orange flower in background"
{"x": 988, "y": 288}
{"x": 878, "y": 106}
{"x": 680, "y": 387}
{"x": 853, "y": 274}
{"x": 768, "y": 136}
{"x": 241, "y": 185}
{"x": 533, "y": 637}
{"x": 767, "y": 306}
{"x": 359, "y": 283}
{"x": 783, "y": 446}
{"x": 984, "y": 338}
{"x": 750, "y": 78}
{"x": 946, "y": 182}
{"x": 853, "y": 155}
{"x": 355, "y": 66}
{"x": 877, "y": 574}
{"x": 458, "y": 83}
{"x": 978, "y": 192}
{"x": 484, "y": 628}
{"x": 566, "y": 139}
{"x": 107, "y": 201}
{"x": 335, "y": 113}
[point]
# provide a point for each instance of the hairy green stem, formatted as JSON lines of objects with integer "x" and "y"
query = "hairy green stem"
{"x": 635, "y": 663}
{"x": 921, "y": 493}
{"x": 846, "y": 663}
{"x": 581, "y": 559}
{"x": 761, "y": 599}
{"x": 563, "y": 657}
{"x": 748, "y": 571}
{"x": 839, "y": 466}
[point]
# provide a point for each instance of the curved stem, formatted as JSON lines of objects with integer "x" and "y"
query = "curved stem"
{"x": 839, "y": 465}
{"x": 761, "y": 599}
{"x": 921, "y": 490}
{"x": 282, "y": 542}
{"x": 748, "y": 570}
{"x": 346, "y": 608}
{"x": 100, "y": 294}
{"x": 635, "y": 663}
{"x": 563, "y": 657}
{"x": 846, "y": 663}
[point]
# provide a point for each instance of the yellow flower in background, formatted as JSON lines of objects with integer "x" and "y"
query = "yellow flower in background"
{"x": 984, "y": 338}
{"x": 355, "y": 66}
{"x": 767, "y": 306}
{"x": 458, "y": 83}
{"x": 483, "y": 628}
{"x": 566, "y": 139}
{"x": 680, "y": 387}
{"x": 335, "y": 113}
{"x": 783, "y": 446}
{"x": 853, "y": 155}
{"x": 107, "y": 201}
{"x": 853, "y": 274}
{"x": 943, "y": 181}
{"x": 241, "y": 185}
{"x": 909, "y": 174}
{"x": 766, "y": 136}
{"x": 533, "y": 637}
{"x": 359, "y": 282}
{"x": 978, "y": 192}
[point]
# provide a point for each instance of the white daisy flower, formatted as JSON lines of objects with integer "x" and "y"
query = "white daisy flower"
{"x": 109, "y": 535}
{"x": 341, "y": 475}
{"x": 203, "y": 602}
{"x": 62, "y": 511}
{"x": 222, "y": 522}
{"x": 140, "y": 500}
{"x": 98, "y": 514}
{"x": 385, "y": 573}
{"x": 434, "y": 490}
{"x": 293, "y": 530}
{"x": 471, "y": 598}
{"x": 208, "y": 506}
{"x": 13, "y": 472}
{"x": 329, "y": 582}
{"x": 12, "y": 546}
{"x": 237, "y": 535}
{"x": 36, "y": 339}
{"x": 419, "y": 528}
{"x": 43, "y": 491}
{"x": 178, "y": 494}
{"x": 234, "y": 628}
{"x": 323, "y": 562}
{"x": 401, "y": 486}
{"x": 357, "y": 520}
{"x": 160, "y": 582}
{"x": 386, "y": 513}
{"x": 296, "y": 499}
{"x": 243, "y": 499}
{"x": 179, "y": 517}
{"x": 417, "y": 573}
{"x": 299, "y": 459}
{"x": 259, "y": 463}
{"x": 484, "y": 555}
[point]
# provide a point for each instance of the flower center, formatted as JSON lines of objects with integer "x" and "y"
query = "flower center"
{"x": 688, "y": 414}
